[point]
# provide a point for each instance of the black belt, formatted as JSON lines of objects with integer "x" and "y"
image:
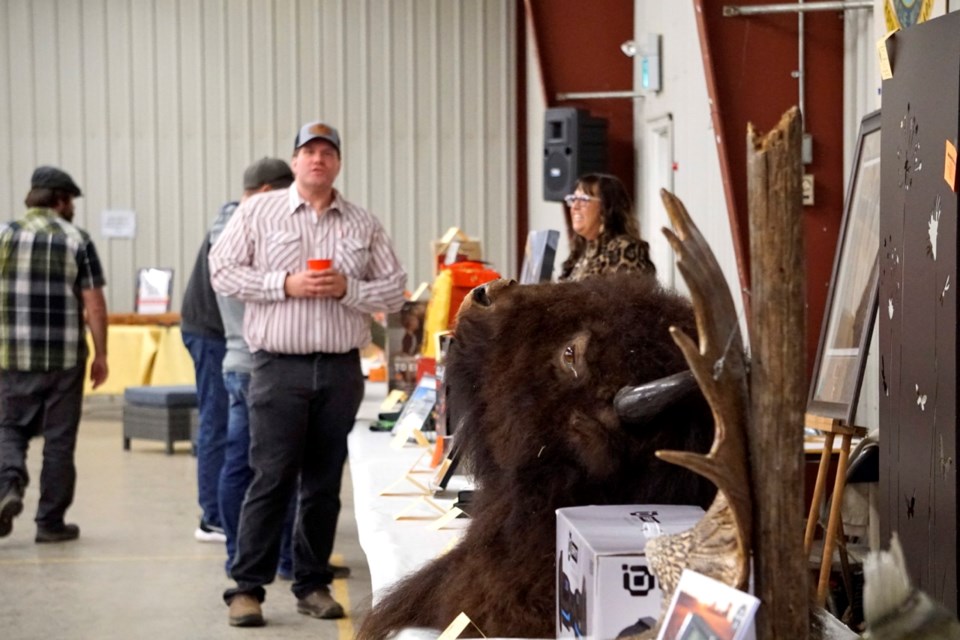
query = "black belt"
{"x": 307, "y": 356}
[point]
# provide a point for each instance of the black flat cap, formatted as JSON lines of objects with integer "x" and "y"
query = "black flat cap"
{"x": 47, "y": 177}
{"x": 267, "y": 171}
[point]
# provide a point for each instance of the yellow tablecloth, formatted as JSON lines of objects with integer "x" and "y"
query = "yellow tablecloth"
{"x": 143, "y": 355}
{"x": 173, "y": 364}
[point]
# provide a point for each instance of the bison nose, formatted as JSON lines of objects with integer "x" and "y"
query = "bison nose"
{"x": 480, "y": 296}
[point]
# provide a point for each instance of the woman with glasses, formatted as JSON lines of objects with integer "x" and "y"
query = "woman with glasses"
{"x": 606, "y": 237}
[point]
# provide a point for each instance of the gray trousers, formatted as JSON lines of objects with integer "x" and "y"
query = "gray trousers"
{"x": 302, "y": 407}
{"x": 47, "y": 403}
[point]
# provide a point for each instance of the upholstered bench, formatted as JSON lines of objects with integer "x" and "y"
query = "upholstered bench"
{"x": 167, "y": 414}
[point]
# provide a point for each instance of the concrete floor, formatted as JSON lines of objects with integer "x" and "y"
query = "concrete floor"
{"x": 136, "y": 571}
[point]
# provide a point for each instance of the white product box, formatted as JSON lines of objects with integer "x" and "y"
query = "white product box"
{"x": 604, "y": 587}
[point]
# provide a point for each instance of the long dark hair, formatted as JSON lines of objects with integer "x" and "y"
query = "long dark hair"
{"x": 616, "y": 214}
{"x": 45, "y": 197}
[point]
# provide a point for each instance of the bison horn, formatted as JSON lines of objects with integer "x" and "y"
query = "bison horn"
{"x": 484, "y": 294}
{"x": 642, "y": 402}
{"x": 480, "y": 296}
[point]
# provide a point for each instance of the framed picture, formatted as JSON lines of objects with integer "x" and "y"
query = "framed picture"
{"x": 154, "y": 287}
{"x": 852, "y": 300}
{"x": 417, "y": 410}
{"x": 538, "y": 256}
{"x": 706, "y": 609}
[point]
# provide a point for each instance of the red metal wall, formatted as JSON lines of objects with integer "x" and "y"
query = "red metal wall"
{"x": 750, "y": 61}
{"x": 579, "y": 47}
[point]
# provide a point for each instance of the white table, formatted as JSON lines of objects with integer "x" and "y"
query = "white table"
{"x": 394, "y": 548}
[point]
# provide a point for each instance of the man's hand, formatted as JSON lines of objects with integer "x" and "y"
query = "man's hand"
{"x": 99, "y": 371}
{"x": 328, "y": 283}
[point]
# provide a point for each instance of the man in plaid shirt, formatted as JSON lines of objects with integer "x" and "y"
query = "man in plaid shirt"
{"x": 51, "y": 284}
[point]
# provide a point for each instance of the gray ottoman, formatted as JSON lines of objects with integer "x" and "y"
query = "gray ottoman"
{"x": 167, "y": 414}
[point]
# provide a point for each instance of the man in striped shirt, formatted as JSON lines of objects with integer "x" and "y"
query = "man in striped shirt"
{"x": 305, "y": 328}
{"x": 49, "y": 276}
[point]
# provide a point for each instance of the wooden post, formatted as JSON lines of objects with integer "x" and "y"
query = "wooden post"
{"x": 777, "y": 378}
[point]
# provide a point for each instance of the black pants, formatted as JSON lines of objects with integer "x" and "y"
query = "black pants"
{"x": 301, "y": 410}
{"x": 46, "y": 403}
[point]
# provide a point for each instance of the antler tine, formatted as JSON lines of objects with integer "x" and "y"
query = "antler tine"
{"x": 697, "y": 264}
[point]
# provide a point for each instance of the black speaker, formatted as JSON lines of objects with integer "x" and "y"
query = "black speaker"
{"x": 574, "y": 143}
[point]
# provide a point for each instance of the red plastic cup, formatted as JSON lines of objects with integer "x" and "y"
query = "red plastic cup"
{"x": 319, "y": 264}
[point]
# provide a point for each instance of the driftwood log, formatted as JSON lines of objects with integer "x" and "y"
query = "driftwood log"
{"x": 777, "y": 378}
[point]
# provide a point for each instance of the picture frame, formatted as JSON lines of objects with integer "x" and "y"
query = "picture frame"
{"x": 703, "y": 608}
{"x": 153, "y": 291}
{"x": 851, "y": 306}
{"x": 419, "y": 407}
{"x": 538, "y": 256}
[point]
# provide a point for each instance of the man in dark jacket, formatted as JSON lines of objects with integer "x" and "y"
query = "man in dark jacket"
{"x": 203, "y": 335}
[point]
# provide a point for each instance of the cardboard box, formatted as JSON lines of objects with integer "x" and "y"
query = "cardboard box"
{"x": 604, "y": 586}
{"x": 454, "y": 246}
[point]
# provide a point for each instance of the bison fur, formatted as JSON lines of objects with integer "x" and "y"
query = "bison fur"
{"x": 532, "y": 375}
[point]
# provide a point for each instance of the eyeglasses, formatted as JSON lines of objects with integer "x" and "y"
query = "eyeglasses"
{"x": 582, "y": 198}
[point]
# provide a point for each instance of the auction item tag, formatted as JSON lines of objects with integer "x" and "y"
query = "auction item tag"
{"x": 886, "y": 70}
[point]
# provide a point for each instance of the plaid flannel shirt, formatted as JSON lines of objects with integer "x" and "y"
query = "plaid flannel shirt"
{"x": 45, "y": 262}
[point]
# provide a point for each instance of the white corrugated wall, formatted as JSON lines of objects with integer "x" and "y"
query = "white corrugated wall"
{"x": 157, "y": 106}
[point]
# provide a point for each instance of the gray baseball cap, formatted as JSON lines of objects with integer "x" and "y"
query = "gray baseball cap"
{"x": 267, "y": 171}
{"x": 47, "y": 177}
{"x": 314, "y": 130}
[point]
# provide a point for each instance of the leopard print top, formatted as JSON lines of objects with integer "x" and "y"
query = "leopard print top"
{"x": 620, "y": 254}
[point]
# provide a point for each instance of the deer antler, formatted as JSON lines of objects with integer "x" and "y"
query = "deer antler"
{"x": 719, "y": 545}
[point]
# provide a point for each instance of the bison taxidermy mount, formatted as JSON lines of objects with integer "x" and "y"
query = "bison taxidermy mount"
{"x": 533, "y": 373}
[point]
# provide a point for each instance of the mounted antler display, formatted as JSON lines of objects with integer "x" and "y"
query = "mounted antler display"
{"x": 757, "y": 453}
{"x": 719, "y": 545}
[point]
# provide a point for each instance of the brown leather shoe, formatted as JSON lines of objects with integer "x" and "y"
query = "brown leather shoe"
{"x": 320, "y": 604}
{"x": 245, "y": 611}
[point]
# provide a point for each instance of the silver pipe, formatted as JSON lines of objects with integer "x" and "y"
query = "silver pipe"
{"x": 801, "y": 72}
{"x": 594, "y": 95}
{"x": 731, "y": 10}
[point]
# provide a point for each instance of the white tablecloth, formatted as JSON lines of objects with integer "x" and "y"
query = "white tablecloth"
{"x": 393, "y": 548}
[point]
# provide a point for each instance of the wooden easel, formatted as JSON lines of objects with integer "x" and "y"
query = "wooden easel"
{"x": 831, "y": 427}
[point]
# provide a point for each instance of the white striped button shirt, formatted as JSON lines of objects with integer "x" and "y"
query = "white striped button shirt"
{"x": 273, "y": 234}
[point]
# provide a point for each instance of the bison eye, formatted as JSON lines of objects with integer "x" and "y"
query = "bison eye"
{"x": 569, "y": 359}
{"x": 572, "y": 357}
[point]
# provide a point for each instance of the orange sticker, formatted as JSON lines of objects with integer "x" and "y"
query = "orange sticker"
{"x": 950, "y": 166}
